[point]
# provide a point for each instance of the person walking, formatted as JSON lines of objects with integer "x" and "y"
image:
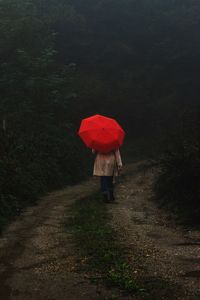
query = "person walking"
{"x": 107, "y": 166}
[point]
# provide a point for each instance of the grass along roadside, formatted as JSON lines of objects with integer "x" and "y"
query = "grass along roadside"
{"x": 102, "y": 257}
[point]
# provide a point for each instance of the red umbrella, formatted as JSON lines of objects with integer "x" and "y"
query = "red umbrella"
{"x": 101, "y": 133}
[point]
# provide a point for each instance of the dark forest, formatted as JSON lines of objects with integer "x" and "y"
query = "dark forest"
{"x": 61, "y": 61}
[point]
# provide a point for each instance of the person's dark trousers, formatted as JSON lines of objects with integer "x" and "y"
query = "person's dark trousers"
{"x": 107, "y": 187}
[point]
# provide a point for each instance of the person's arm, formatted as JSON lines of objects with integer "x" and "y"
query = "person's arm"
{"x": 118, "y": 159}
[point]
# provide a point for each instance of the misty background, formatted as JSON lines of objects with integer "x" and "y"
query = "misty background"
{"x": 63, "y": 60}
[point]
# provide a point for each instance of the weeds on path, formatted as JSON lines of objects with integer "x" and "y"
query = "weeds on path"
{"x": 102, "y": 256}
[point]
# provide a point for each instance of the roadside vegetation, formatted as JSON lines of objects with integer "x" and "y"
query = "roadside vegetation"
{"x": 177, "y": 186}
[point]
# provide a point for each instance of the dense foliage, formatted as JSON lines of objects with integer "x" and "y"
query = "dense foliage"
{"x": 39, "y": 147}
{"x": 62, "y": 60}
{"x": 178, "y": 184}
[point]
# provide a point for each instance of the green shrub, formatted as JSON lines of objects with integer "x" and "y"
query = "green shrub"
{"x": 178, "y": 184}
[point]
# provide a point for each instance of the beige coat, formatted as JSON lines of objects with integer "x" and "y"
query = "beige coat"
{"x": 107, "y": 164}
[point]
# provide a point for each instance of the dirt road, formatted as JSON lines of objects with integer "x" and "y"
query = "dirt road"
{"x": 37, "y": 257}
{"x": 161, "y": 250}
{"x": 36, "y": 254}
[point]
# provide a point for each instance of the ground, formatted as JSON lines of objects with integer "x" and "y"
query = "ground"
{"x": 38, "y": 259}
{"x": 161, "y": 250}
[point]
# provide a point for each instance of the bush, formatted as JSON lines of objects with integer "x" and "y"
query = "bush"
{"x": 178, "y": 184}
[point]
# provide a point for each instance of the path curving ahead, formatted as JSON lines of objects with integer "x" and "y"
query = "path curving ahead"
{"x": 37, "y": 256}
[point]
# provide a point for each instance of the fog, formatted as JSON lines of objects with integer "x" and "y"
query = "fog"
{"x": 61, "y": 61}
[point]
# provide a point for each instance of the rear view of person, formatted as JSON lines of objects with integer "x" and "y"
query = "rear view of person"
{"x": 107, "y": 166}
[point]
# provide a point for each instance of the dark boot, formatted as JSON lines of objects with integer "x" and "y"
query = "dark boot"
{"x": 105, "y": 197}
{"x": 112, "y": 198}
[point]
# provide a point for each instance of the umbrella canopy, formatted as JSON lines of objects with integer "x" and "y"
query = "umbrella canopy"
{"x": 101, "y": 133}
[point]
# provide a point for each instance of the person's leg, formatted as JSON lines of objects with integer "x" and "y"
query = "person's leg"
{"x": 104, "y": 187}
{"x": 107, "y": 188}
{"x": 111, "y": 188}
